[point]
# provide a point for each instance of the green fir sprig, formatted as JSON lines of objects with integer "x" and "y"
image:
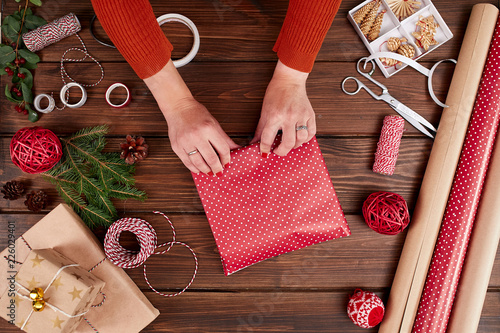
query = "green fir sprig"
{"x": 88, "y": 178}
{"x": 17, "y": 61}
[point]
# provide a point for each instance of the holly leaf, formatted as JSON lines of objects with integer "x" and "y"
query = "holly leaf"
{"x": 32, "y": 114}
{"x": 12, "y": 23}
{"x": 30, "y": 65}
{"x": 36, "y": 2}
{"x": 33, "y": 21}
{"x": 27, "y": 94}
{"x": 29, "y": 56}
{"x": 7, "y": 54}
{"x": 28, "y": 12}
{"x": 28, "y": 77}
{"x": 9, "y": 95}
{"x": 2, "y": 70}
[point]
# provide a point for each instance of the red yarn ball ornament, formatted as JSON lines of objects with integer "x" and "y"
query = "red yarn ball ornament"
{"x": 365, "y": 309}
{"x": 386, "y": 213}
{"x": 35, "y": 149}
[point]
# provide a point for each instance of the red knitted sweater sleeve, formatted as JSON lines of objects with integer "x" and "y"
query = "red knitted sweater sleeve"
{"x": 305, "y": 27}
{"x": 132, "y": 27}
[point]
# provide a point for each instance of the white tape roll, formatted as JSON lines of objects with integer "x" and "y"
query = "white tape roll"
{"x": 64, "y": 89}
{"x": 196, "y": 36}
{"x": 49, "y": 108}
{"x": 113, "y": 87}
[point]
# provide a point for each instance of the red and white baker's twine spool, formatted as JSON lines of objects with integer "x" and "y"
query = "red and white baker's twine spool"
{"x": 52, "y": 32}
{"x": 388, "y": 145}
{"x": 147, "y": 238}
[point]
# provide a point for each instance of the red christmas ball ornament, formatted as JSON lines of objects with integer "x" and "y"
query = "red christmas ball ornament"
{"x": 365, "y": 309}
{"x": 386, "y": 213}
{"x": 35, "y": 149}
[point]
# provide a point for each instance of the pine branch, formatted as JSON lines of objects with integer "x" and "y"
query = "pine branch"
{"x": 125, "y": 192}
{"x": 90, "y": 133}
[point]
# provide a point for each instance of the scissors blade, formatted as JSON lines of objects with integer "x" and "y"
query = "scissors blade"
{"x": 415, "y": 123}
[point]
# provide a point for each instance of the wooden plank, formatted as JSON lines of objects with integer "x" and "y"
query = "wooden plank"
{"x": 169, "y": 184}
{"x": 243, "y": 30}
{"x": 278, "y": 311}
{"x": 233, "y": 92}
{"x": 365, "y": 259}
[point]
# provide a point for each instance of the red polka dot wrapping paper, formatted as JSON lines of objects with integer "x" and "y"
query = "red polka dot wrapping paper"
{"x": 264, "y": 207}
{"x": 449, "y": 254}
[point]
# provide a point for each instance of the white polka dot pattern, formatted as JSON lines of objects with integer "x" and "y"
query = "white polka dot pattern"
{"x": 264, "y": 207}
{"x": 444, "y": 273}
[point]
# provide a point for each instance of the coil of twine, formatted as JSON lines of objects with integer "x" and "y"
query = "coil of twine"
{"x": 146, "y": 236}
{"x": 388, "y": 145}
{"x": 386, "y": 213}
{"x": 35, "y": 149}
{"x": 52, "y": 32}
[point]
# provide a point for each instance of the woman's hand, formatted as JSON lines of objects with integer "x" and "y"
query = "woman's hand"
{"x": 286, "y": 107}
{"x": 195, "y": 135}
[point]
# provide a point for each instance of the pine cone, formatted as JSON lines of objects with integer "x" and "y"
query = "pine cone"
{"x": 407, "y": 50}
{"x": 375, "y": 28}
{"x": 134, "y": 150}
{"x": 36, "y": 201}
{"x": 369, "y": 19}
{"x": 394, "y": 43}
{"x": 360, "y": 15}
{"x": 13, "y": 190}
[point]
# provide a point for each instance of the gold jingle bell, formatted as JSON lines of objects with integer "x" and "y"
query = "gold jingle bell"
{"x": 36, "y": 294}
{"x": 38, "y": 305}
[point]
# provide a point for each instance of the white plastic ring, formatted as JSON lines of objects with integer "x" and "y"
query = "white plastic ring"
{"x": 49, "y": 108}
{"x": 196, "y": 36}
{"x": 64, "y": 89}
{"x": 113, "y": 87}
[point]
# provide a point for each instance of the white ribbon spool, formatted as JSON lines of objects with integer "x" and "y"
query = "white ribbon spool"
{"x": 64, "y": 89}
{"x": 49, "y": 108}
{"x": 196, "y": 36}
{"x": 113, "y": 87}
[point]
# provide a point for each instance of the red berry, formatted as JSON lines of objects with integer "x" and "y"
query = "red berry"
{"x": 16, "y": 61}
{"x": 21, "y": 75}
{"x": 7, "y": 69}
{"x": 25, "y": 112}
{"x": 18, "y": 108}
{"x": 22, "y": 61}
{"x": 14, "y": 89}
{"x": 19, "y": 94}
{"x": 10, "y": 73}
{"x": 13, "y": 45}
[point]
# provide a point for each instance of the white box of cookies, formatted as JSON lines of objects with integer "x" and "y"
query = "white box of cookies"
{"x": 411, "y": 28}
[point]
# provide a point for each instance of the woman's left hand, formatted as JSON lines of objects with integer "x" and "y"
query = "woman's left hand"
{"x": 286, "y": 107}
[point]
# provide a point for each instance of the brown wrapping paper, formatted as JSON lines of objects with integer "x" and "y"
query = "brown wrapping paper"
{"x": 419, "y": 244}
{"x": 72, "y": 290}
{"x": 481, "y": 254}
{"x": 126, "y": 309}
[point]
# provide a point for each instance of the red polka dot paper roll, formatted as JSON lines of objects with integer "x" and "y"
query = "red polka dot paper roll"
{"x": 447, "y": 261}
{"x": 264, "y": 207}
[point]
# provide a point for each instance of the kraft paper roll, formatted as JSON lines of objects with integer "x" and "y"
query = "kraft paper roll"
{"x": 451, "y": 247}
{"x": 481, "y": 253}
{"x": 430, "y": 207}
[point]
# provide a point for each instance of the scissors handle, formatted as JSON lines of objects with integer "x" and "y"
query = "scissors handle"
{"x": 359, "y": 85}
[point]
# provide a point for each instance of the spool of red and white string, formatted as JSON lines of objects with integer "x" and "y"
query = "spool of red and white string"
{"x": 388, "y": 145}
{"x": 52, "y": 32}
{"x": 146, "y": 236}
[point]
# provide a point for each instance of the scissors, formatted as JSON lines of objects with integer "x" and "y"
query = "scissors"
{"x": 411, "y": 116}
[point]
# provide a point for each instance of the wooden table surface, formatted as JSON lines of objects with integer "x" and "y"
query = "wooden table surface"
{"x": 304, "y": 291}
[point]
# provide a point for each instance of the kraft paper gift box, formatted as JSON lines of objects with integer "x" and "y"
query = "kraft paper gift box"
{"x": 69, "y": 292}
{"x": 125, "y": 310}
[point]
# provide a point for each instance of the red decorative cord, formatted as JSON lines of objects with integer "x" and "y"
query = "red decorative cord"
{"x": 146, "y": 236}
{"x": 388, "y": 145}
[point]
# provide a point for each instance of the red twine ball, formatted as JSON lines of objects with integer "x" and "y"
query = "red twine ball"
{"x": 35, "y": 149}
{"x": 365, "y": 309}
{"x": 386, "y": 213}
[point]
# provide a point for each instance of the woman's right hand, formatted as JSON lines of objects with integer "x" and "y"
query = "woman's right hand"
{"x": 192, "y": 129}
{"x": 195, "y": 135}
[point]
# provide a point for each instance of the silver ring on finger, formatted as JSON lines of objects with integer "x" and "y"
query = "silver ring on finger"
{"x": 193, "y": 152}
{"x": 303, "y": 127}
